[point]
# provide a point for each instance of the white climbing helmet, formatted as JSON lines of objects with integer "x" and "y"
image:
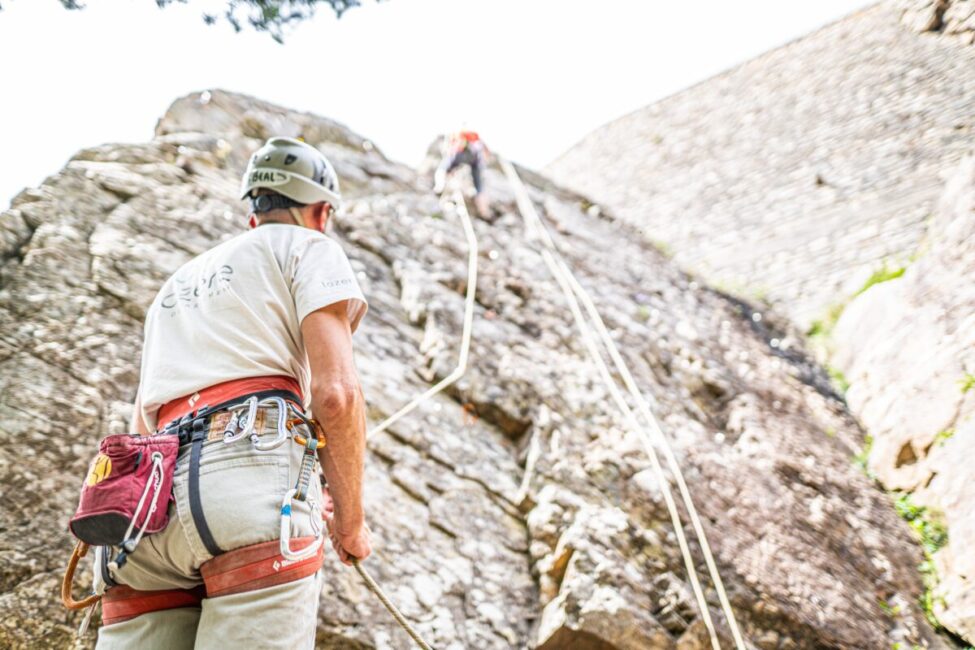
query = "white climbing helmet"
{"x": 293, "y": 169}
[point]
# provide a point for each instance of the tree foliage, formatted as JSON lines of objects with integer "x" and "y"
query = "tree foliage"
{"x": 271, "y": 16}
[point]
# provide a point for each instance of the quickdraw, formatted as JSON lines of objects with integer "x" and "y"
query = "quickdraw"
{"x": 300, "y": 491}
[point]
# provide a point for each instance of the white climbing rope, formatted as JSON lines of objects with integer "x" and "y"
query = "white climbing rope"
{"x": 643, "y": 408}
{"x": 465, "y": 346}
{"x": 465, "y": 341}
{"x": 572, "y": 289}
{"x": 390, "y": 607}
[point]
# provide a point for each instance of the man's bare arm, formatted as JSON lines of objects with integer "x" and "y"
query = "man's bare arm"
{"x": 338, "y": 405}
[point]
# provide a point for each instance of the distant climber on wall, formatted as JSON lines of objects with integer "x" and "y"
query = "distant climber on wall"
{"x": 237, "y": 342}
{"x": 464, "y": 147}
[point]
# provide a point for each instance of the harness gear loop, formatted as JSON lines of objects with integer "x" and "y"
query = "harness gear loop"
{"x": 80, "y": 551}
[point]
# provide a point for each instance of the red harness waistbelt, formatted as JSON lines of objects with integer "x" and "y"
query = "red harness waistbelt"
{"x": 219, "y": 393}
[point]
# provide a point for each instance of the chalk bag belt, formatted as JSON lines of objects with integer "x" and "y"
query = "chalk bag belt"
{"x": 193, "y": 429}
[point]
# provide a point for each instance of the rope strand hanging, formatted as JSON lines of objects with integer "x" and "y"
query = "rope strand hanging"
{"x": 465, "y": 344}
{"x": 572, "y": 289}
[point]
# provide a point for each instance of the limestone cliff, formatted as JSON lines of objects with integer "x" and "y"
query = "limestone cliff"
{"x": 907, "y": 347}
{"x": 794, "y": 175}
{"x": 952, "y": 18}
{"x": 535, "y": 524}
{"x": 807, "y": 177}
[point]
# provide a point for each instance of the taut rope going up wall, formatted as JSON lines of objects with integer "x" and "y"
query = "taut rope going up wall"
{"x": 465, "y": 345}
{"x": 536, "y": 230}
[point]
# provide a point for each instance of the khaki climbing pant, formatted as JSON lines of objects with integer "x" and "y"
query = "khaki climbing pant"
{"x": 241, "y": 490}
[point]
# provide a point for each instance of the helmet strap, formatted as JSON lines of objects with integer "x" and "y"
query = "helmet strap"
{"x": 298, "y": 217}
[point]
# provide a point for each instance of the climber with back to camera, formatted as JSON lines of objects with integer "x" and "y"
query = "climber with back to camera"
{"x": 238, "y": 342}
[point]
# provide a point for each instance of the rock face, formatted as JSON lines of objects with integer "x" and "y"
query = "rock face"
{"x": 517, "y": 510}
{"x": 953, "y": 18}
{"x": 799, "y": 174}
{"x": 792, "y": 176}
{"x": 907, "y": 347}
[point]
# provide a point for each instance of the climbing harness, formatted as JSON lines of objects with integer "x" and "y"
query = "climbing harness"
{"x": 574, "y": 292}
{"x": 116, "y": 470}
{"x": 193, "y": 428}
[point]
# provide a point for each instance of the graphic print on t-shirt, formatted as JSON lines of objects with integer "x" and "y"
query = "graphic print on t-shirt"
{"x": 188, "y": 293}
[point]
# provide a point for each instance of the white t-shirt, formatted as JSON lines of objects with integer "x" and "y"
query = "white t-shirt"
{"x": 236, "y": 310}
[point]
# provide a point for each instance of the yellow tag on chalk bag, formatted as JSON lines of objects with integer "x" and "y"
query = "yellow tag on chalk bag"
{"x": 100, "y": 470}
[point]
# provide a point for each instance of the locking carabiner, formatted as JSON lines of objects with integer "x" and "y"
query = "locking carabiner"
{"x": 246, "y": 427}
{"x": 282, "y": 433}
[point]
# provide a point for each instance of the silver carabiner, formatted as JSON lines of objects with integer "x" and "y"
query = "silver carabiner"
{"x": 283, "y": 433}
{"x": 246, "y": 427}
{"x": 286, "y": 550}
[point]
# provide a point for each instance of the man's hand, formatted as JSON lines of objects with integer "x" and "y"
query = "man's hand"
{"x": 357, "y": 545}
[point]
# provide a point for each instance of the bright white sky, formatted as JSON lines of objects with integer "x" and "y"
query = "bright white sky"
{"x": 533, "y": 76}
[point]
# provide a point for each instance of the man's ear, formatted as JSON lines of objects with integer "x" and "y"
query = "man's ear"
{"x": 252, "y": 220}
{"x": 322, "y": 212}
